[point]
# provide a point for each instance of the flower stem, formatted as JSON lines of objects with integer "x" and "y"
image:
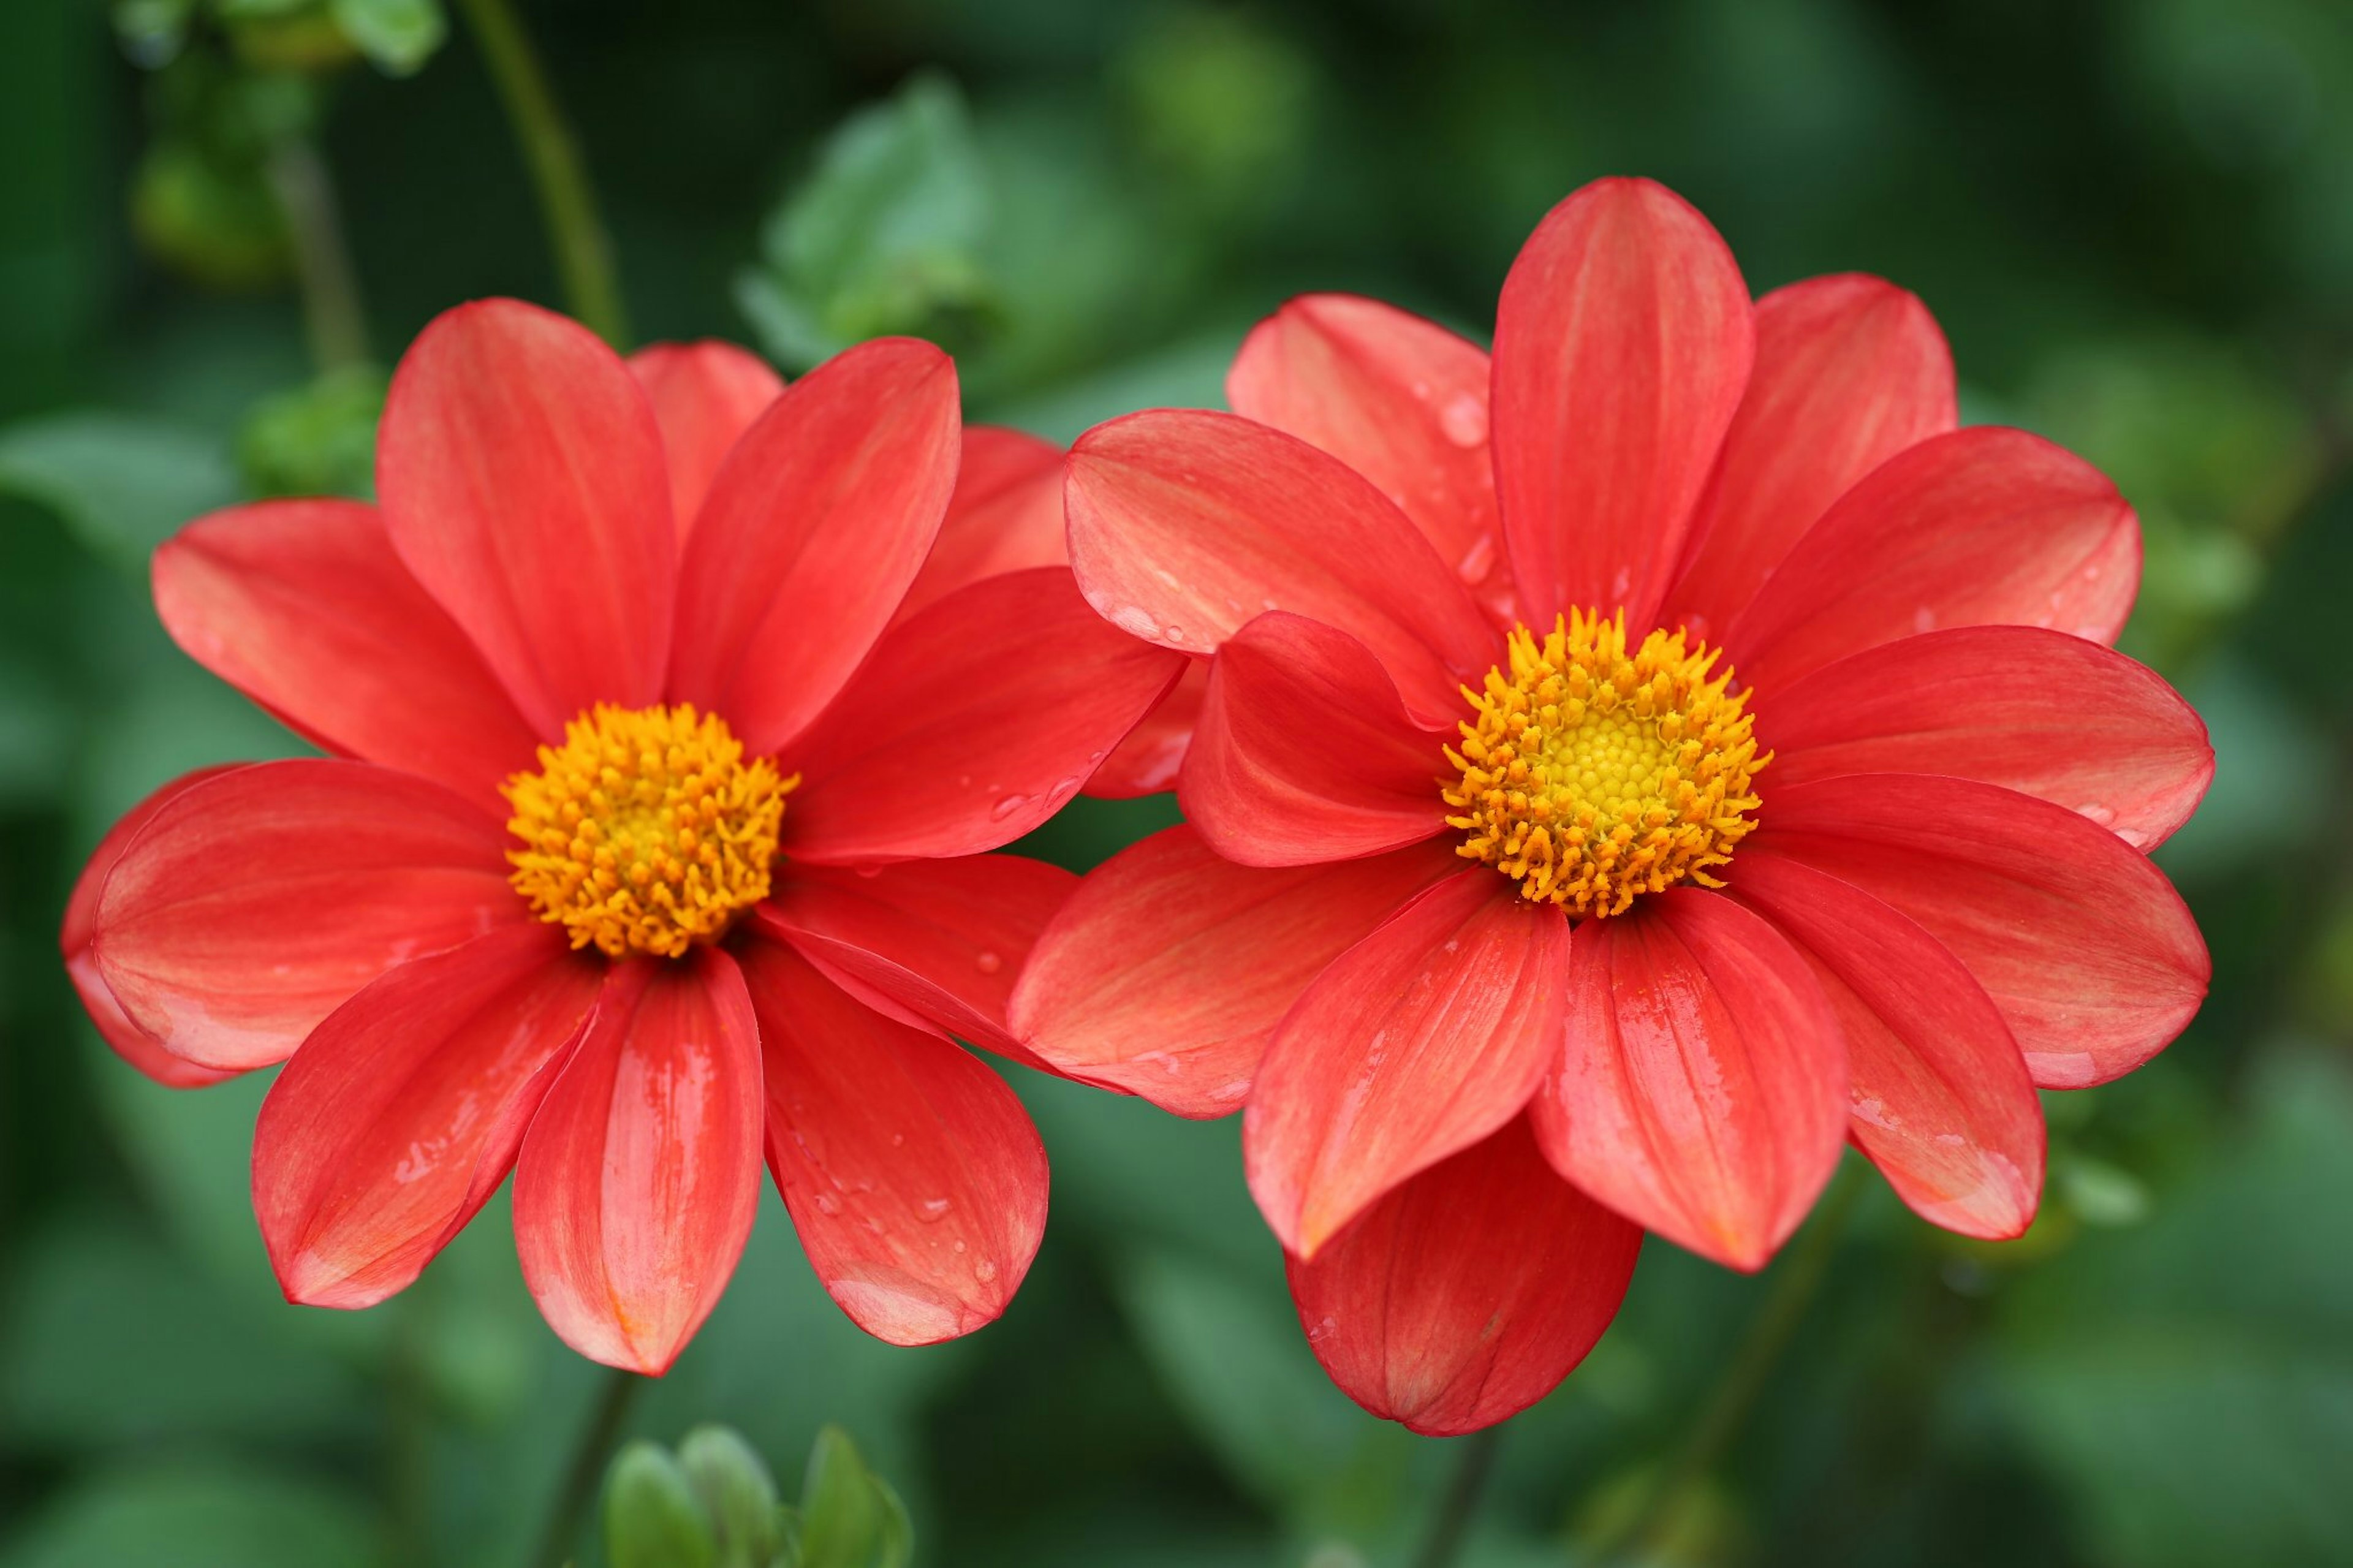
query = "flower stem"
{"x": 332, "y": 317}
{"x": 1476, "y": 1457}
{"x": 584, "y": 253}
{"x": 570, "y": 1511}
{"x": 1794, "y": 1284}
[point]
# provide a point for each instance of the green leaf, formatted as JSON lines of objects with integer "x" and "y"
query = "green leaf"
{"x": 207, "y": 1516}
{"x": 850, "y": 1516}
{"x": 651, "y": 1517}
{"x": 737, "y": 1493}
{"x": 122, "y": 483}
{"x": 396, "y": 35}
{"x": 318, "y": 439}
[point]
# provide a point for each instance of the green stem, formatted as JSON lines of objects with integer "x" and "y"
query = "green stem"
{"x": 1447, "y": 1532}
{"x": 584, "y": 253}
{"x": 569, "y": 1512}
{"x": 1794, "y": 1284}
{"x": 331, "y": 314}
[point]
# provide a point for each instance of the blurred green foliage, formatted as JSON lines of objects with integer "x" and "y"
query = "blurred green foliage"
{"x": 2136, "y": 223}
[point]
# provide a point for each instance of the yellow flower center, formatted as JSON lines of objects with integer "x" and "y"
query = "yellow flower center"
{"x": 646, "y": 831}
{"x": 1592, "y": 774}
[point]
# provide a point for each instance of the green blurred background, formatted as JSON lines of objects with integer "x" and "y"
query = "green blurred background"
{"x": 2135, "y": 220}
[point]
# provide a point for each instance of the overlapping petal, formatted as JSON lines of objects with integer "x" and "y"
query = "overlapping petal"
{"x": 1623, "y": 343}
{"x": 1942, "y": 1100}
{"x": 1303, "y": 752}
{"x": 2038, "y": 711}
{"x": 913, "y": 1176}
{"x": 304, "y": 607}
{"x": 1152, "y": 756}
{"x": 1850, "y": 371}
{"x": 1184, "y": 526}
{"x": 2080, "y": 941}
{"x": 1984, "y": 526}
{"x": 1168, "y": 970}
{"x": 1004, "y": 515}
{"x": 1468, "y": 1292}
{"x": 973, "y": 723}
{"x": 75, "y": 934}
{"x": 256, "y": 902}
{"x": 1701, "y": 1088}
{"x": 704, "y": 396}
{"x": 1419, "y": 1041}
{"x": 402, "y": 1113}
{"x": 813, "y": 530}
{"x": 524, "y": 486}
{"x": 1400, "y": 400}
{"x": 638, "y": 1181}
{"x": 934, "y": 944}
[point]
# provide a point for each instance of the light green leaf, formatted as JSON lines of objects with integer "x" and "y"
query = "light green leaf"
{"x": 122, "y": 483}
{"x": 397, "y": 36}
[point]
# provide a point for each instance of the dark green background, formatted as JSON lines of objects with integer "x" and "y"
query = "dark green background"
{"x": 2135, "y": 220}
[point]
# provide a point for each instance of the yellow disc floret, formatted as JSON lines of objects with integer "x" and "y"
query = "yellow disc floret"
{"x": 646, "y": 831}
{"x": 1592, "y": 774}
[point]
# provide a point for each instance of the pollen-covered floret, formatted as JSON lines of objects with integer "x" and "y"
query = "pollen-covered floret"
{"x": 1592, "y": 775}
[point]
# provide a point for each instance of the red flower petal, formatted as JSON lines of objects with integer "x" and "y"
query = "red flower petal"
{"x": 1400, "y": 400}
{"x": 972, "y": 724}
{"x": 1623, "y": 343}
{"x": 1466, "y": 1294}
{"x": 302, "y": 605}
{"x": 1942, "y": 1102}
{"x": 811, "y": 535}
{"x": 1168, "y": 970}
{"x": 638, "y": 1181}
{"x": 1304, "y": 753}
{"x": 1152, "y": 756}
{"x": 1185, "y": 525}
{"x": 1703, "y": 1092}
{"x": 1850, "y": 371}
{"x": 524, "y": 486}
{"x": 130, "y": 1042}
{"x": 705, "y": 395}
{"x": 934, "y": 944}
{"x": 2080, "y": 941}
{"x": 2037, "y": 712}
{"x": 913, "y": 1176}
{"x": 1419, "y": 1041}
{"x": 1983, "y": 527}
{"x": 1006, "y": 515}
{"x": 401, "y": 1114}
{"x": 255, "y": 903}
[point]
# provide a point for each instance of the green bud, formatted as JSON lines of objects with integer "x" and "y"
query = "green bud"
{"x": 737, "y": 1494}
{"x": 847, "y": 1515}
{"x": 651, "y": 1518}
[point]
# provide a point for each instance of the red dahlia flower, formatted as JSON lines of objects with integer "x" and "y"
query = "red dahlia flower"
{"x": 1629, "y": 770}
{"x": 652, "y": 838}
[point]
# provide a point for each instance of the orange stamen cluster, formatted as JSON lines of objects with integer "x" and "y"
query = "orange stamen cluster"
{"x": 646, "y": 831}
{"x": 1593, "y": 776}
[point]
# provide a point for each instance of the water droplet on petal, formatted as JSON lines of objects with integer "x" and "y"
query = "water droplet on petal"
{"x": 935, "y": 1208}
{"x": 1478, "y": 560}
{"x": 988, "y": 962}
{"x": 984, "y": 1269}
{"x": 828, "y": 1204}
{"x": 1008, "y": 806}
{"x": 1464, "y": 419}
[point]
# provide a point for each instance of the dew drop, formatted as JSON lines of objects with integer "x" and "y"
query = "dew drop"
{"x": 1464, "y": 420}
{"x": 1136, "y": 622}
{"x": 1008, "y": 806}
{"x": 828, "y": 1204}
{"x": 1478, "y": 560}
{"x": 988, "y": 962}
{"x": 935, "y": 1208}
{"x": 984, "y": 1269}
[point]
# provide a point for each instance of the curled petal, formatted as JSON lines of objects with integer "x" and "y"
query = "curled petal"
{"x": 304, "y": 606}
{"x": 1149, "y": 761}
{"x": 1942, "y": 1101}
{"x": 812, "y": 532}
{"x": 913, "y": 1176}
{"x": 1185, "y": 525}
{"x": 1623, "y": 343}
{"x": 1304, "y": 753}
{"x": 1419, "y": 1041}
{"x": 934, "y": 944}
{"x": 2038, "y": 711}
{"x": 1467, "y": 1293}
{"x": 973, "y": 723}
{"x": 1850, "y": 371}
{"x": 524, "y": 486}
{"x": 1702, "y": 1092}
{"x": 1981, "y": 527}
{"x": 705, "y": 395}
{"x": 637, "y": 1183}
{"x": 2080, "y": 941}
{"x": 401, "y": 1114}
{"x": 254, "y": 903}
{"x": 1166, "y": 972}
